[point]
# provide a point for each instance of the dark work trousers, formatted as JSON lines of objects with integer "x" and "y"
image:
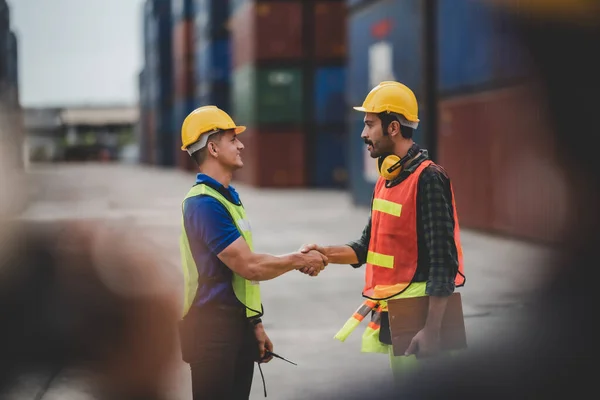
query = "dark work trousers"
{"x": 220, "y": 346}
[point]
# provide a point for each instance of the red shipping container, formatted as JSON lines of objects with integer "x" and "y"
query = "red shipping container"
{"x": 464, "y": 151}
{"x": 530, "y": 193}
{"x": 273, "y": 159}
{"x": 330, "y": 30}
{"x": 265, "y": 30}
{"x": 495, "y": 149}
{"x": 183, "y": 59}
{"x": 183, "y": 38}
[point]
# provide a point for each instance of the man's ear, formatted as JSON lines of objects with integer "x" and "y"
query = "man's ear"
{"x": 394, "y": 128}
{"x": 212, "y": 148}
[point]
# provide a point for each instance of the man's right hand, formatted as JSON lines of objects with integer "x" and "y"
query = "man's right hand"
{"x": 313, "y": 262}
{"x": 313, "y": 248}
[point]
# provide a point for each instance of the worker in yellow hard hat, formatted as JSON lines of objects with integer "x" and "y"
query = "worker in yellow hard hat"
{"x": 221, "y": 330}
{"x": 411, "y": 243}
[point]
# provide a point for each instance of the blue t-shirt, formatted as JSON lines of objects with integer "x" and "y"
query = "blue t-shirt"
{"x": 210, "y": 229}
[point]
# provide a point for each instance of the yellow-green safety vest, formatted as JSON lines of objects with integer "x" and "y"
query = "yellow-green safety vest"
{"x": 247, "y": 292}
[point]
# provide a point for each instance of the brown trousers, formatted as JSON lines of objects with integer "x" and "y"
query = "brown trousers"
{"x": 219, "y": 345}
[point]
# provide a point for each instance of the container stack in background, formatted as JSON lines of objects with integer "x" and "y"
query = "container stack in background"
{"x": 274, "y": 65}
{"x": 183, "y": 58}
{"x": 327, "y": 132}
{"x": 11, "y": 113}
{"x": 386, "y": 42}
{"x": 212, "y": 45}
{"x": 504, "y": 178}
{"x": 156, "y": 86}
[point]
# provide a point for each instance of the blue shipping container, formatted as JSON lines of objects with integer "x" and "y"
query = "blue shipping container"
{"x": 330, "y": 95}
{"x": 474, "y": 48}
{"x": 12, "y": 71}
{"x": 216, "y": 95}
{"x": 181, "y": 109}
{"x": 165, "y": 138}
{"x": 182, "y": 9}
{"x": 213, "y": 60}
{"x": 329, "y": 166}
{"x": 385, "y": 43}
{"x": 211, "y": 18}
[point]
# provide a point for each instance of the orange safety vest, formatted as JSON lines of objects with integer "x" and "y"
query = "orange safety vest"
{"x": 393, "y": 253}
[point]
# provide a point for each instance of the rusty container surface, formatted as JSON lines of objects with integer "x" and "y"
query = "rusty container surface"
{"x": 464, "y": 148}
{"x": 330, "y": 30}
{"x": 496, "y": 149}
{"x": 273, "y": 158}
{"x": 264, "y": 30}
{"x": 530, "y": 193}
{"x": 183, "y": 59}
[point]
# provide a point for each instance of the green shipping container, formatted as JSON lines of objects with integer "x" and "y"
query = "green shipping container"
{"x": 267, "y": 95}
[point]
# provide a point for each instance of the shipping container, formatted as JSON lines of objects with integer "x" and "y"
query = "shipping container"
{"x": 213, "y": 59}
{"x": 158, "y": 53}
{"x": 504, "y": 175}
{"x": 165, "y": 137}
{"x": 465, "y": 151}
{"x": 265, "y": 30}
{"x": 182, "y": 9}
{"x": 330, "y": 158}
{"x": 181, "y": 110}
{"x": 211, "y": 18}
{"x": 385, "y": 43}
{"x": 267, "y": 95}
{"x": 330, "y": 30}
{"x": 273, "y": 158}
{"x": 476, "y": 48}
{"x": 183, "y": 38}
{"x": 330, "y": 95}
{"x": 216, "y": 94}
{"x": 12, "y": 70}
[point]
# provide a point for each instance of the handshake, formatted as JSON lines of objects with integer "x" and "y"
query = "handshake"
{"x": 313, "y": 259}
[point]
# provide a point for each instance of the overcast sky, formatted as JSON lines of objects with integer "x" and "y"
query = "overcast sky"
{"x": 78, "y": 51}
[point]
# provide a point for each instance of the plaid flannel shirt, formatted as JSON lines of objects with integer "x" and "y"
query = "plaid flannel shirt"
{"x": 438, "y": 258}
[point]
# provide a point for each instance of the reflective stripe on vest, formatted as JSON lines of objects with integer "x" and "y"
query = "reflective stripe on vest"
{"x": 247, "y": 292}
{"x": 393, "y": 254}
{"x": 370, "y": 340}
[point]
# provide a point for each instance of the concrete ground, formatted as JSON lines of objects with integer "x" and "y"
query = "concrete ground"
{"x": 302, "y": 313}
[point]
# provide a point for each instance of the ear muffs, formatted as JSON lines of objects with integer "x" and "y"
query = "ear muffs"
{"x": 390, "y": 166}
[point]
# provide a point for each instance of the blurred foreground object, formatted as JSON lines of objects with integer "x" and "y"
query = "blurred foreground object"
{"x": 82, "y": 298}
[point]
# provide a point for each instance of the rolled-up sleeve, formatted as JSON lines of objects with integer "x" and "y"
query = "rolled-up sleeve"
{"x": 361, "y": 246}
{"x": 437, "y": 215}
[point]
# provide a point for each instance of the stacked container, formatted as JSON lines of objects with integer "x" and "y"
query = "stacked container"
{"x": 11, "y": 115}
{"x": 327, "y": 133}
{"x": 287, "y": 60}
{"x": 184, "y": 91}
{"x": 156, "y": 79}
{"x": 483, "y": 112}
{"x": 385, "y": 43}
{"x": 213, "y": 53}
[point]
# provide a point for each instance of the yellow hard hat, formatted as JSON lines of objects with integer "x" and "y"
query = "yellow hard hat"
{"x": 393, "y": 97}
{"x": 205, "y": 121}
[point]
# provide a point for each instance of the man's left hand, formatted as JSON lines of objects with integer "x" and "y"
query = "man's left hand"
{"x": 264, "y": 343}
{"x": 426, "y": 343}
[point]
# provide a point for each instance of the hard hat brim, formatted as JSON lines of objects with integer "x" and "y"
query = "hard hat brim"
{"x": 362, "y": 109}
{"x": 237, "y": 130}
